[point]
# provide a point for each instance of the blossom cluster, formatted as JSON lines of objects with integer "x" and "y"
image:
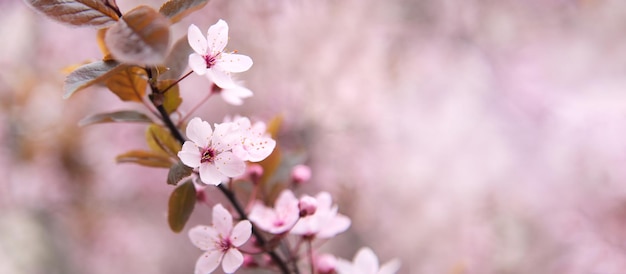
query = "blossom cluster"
{"x": 221, "y": 153}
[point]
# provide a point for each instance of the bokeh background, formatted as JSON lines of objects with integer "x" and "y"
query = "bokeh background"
{"x": 472, "y": 136}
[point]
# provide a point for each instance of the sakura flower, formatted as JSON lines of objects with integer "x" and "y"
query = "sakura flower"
{"x": 324, "y": 223}
{"x": 220, "y": 241}
{"x": 279, "y": 219}
{"x": 211, "y": 151}
{"x": 255, "y": 143}
{"x": 366, "y": 262}
{"x": 209, "y": 57}
{"x": 233, "y": 94}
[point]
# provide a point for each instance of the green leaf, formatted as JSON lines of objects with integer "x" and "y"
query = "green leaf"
{"x": 95, "y": 13}
{"x": 177, "y": 60}
{"x": 141, "y": 37}
{"x": 160, "y": 140}
{"x": 180, "y": 206}
{"x": 171, "y": 98}
{"x": 89, "y": 74}
{"x": 145, "y": 158}
{"x": 178, "y": 9}
{"x": 117, "y": 116}
{"x": 129, "y": 84}
{"x": 177, "y": 172}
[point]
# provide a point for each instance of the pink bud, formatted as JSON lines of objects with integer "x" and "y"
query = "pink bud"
{"x": 249, "y": 261}
{"x": 300, "y": 174}
{"x": 307, "y": 205}
{"x": 254, "y": 171}
{"x": 325, "y": 264}
{"x": 200, "y": 194}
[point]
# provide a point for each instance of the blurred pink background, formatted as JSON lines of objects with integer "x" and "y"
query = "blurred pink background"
{"x": 460, "y": 136}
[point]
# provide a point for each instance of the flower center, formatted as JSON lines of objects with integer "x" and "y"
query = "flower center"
{"x": 224, "y": 245}
{"x": 208, "y": 155}
{"x": 211, "y": 60}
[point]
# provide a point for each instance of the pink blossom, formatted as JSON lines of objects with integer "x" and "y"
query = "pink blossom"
{"x": 279, "y": 219}
{"x": 220, "y": 241}
{"x": 209, "y": 57}
{"x": 325, "y": 222}
{"x": 366, "y": 262}
{"x": 211, "y": 151}
{"x": 256, "y": 144}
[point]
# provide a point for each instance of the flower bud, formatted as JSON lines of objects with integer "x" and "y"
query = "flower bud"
{"x": 325, "y": 264}
{"x": 255, "y": 171}
{"x": 307, "y": 206}
{"x": 249, "y": 261}
{"x": 300, "y": 174}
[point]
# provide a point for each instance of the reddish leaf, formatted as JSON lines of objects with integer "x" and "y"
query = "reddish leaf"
{"x": 96, "y": 13}
{"x": 141, "y": 37}
{"x": 177, "y": 9}
{"x": 145, "y": 158}
{"x": 118, "y": 116}
{"x": 180, "y": 206}
{"x": 129, "y": 84}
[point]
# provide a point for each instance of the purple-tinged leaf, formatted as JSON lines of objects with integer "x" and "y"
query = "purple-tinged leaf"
{"x": 118, "y": 116}
{"x": 140, "y": 37}
{"x": 178, "y": 172}
{"x": 89, "y": 74}
{"x": 95, "y": 13}
{"x": 180, "y": 206}
{"x": 178, "y": 9}
{"x": 177, "y": 60}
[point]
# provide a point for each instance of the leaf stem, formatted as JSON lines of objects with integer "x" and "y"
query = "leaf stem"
{"x": 177, "y": 81}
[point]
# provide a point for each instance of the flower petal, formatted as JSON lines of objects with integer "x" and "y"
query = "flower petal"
{"x": 233, "y": 259}
{"x": 220, "y": 77}
{"x": 224, "y": 137}
{"x": 334, "y": 226}
{"x": 210, "y": 175}
{"x": 197, "y": 64}
{"x": 232, "y": 62}
{"x": 217, "y": 36}
{"x": 241, "y": 233}
{"x": 262, "y": 216}
{"x": 196, "y": 40}
{"x": 199, "y": 132}
{"x": 235, "y": 95}
{"x": 345, "y": 267}
{"x": 222, "y": 221}
{"x": 190, "y": 155}
{"x": 208, "y": 262}
{"x": 390, "y": 267}
{"x": 204, "y": 237}
{"x": 229, "y": 164}
{"x": 366, "y": 261}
